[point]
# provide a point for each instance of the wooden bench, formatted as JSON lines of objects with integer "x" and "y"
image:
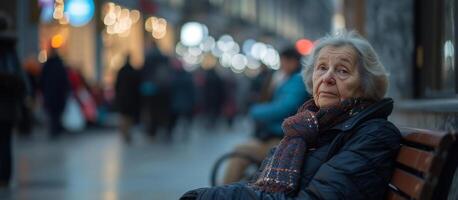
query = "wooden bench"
{"x": 426, "y": 165}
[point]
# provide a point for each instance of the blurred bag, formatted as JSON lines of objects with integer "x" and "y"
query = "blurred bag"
{"x": 73, "y": 118}
{"x": 88, "y": 105}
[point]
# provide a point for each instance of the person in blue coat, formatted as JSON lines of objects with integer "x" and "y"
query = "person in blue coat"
{"x": 339, "y": 145}
{"x": 288, "y": 93}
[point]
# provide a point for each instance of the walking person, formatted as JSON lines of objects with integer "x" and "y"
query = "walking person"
{"x": 55, "y": 87}
{"x": 13, "y": 90}
{"x": 156, "y": 94}
{"x": 127, "y": 98}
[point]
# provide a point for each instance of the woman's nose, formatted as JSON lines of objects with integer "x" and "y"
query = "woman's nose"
{"x": 329, "y": 77}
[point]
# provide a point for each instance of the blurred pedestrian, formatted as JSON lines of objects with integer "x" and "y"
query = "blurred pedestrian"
{"x": 155, "y": 89}
{"x": 288, "y": 93}
{"x": 55, "y": 87}
{"x": 13, "y": 90}
{"x": 213, "y": 96}
{"x": 229, "y": 107}
{"x": 261, "y": 90}
{"x": 127, "y": 98}
{"x": 183, "y": 96}
{"x": 27, "y": 120}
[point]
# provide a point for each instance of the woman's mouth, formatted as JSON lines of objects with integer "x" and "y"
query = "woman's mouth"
{"x": 327, "y": 94}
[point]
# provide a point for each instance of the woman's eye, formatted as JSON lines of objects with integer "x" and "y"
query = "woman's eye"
{"x": 322, "y": 67}
{"x": 342, "y": 71}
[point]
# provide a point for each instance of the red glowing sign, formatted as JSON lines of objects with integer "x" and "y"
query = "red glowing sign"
{"x": 304, "y": 46}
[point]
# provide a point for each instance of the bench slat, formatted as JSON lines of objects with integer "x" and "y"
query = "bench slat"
{"x": 407, "y": 183}
{"x": 422, "y": 151}
{"x": 424, "y": 137}
{"x": 415, "y": 158}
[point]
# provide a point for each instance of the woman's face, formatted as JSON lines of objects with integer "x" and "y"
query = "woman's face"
{"x": 335, "y": 76}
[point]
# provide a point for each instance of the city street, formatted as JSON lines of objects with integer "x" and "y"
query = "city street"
{"x": 96, "y": 164}
{"x": 142, "y": 99}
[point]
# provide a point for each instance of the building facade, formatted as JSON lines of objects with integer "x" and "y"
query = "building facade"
{"x": 416, "y": 41}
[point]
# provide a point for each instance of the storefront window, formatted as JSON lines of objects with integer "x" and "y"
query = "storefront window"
{"x": 448, "y": 49}
{"x": 435, "y": 73}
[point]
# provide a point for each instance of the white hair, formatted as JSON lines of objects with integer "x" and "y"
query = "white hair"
{"x": 374, "y": 78}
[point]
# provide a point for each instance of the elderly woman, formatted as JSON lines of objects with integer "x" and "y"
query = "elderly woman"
{"x": 339, "y": 145}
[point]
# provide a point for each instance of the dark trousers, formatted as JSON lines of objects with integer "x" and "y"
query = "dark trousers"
{"x": 5, "y": 152}
{"x": 55, "y": 124}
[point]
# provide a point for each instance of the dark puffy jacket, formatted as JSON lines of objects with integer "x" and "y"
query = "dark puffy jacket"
{"x": 13, "y": 82}
{"x": 355, "y": 163}
{"x": 127, "y": 87}
{"x": 55, "y": 84}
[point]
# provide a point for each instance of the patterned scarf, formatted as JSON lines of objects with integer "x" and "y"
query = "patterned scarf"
{"x": 282, "y": 170}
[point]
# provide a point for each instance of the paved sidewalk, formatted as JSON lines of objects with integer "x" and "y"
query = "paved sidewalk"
{"x": 96, "y": 164}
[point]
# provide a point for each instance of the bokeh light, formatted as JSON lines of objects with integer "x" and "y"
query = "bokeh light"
{"x": 80, "y": 12}
{"x": 120, "y": 20}
{"x": 42, "y": 56}
{"x": 180, "y": 49}
{"x": 239, "y": 62}
{"x": 258, "y": 50}
{"x": 304, "y": 46}
{"x": 192, "y": 34}
{"x": 57, "y": 41}
{"x": 46, "y": 15}
{"x": 247, "y": 46}
{"x": 208, "y": 44}
{"x": 135, "y": 15}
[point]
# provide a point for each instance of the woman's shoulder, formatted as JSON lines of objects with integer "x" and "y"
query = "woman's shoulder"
{"x": 376, "y": 125}
{"x": 378, "y": 129}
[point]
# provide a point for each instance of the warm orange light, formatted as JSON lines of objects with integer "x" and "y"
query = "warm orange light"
{"x": 57, "y": 41}
{"x": 304, "y": 46}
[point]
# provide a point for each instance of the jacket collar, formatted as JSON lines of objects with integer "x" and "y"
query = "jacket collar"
{"x": 380, "y": 109}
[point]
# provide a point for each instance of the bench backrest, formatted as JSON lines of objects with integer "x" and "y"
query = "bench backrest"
{"x": 420, "y": 161}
